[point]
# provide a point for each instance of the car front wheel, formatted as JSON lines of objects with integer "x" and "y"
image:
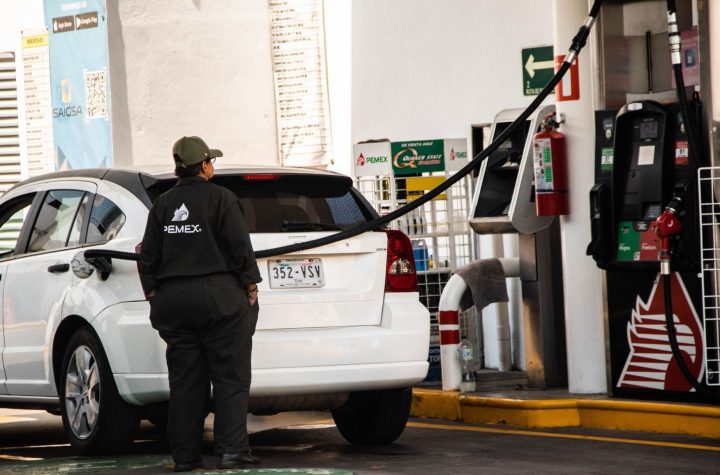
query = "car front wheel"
{"x": 95, "y": 418}
{"x": 374, "y": 417}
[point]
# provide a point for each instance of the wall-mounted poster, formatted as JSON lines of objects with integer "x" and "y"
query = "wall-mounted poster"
{"x": 80, "y": 83}
{"x": 38, "y": 105}
{"x": 301, "y": 91}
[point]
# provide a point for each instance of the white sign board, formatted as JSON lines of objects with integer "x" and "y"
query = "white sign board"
{"x": 455, "y": 153}
{"x": 372, "y": 159}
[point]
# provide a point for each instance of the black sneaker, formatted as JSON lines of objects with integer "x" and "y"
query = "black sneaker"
{"x": 187, "y": 466}
{"x": 227, "y": 461}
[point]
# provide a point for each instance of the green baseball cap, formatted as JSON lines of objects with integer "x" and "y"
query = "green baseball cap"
{"x": 191, "y": 150}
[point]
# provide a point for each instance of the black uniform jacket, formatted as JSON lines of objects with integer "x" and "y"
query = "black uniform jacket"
{"x": 194, "y": 229}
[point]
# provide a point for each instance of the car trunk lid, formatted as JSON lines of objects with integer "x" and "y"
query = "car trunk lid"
{"x": 336, "y": 285}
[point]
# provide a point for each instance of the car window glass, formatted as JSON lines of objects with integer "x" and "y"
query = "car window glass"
{"x": 324, "y": 203}
{"x": 56, "y": 215}
{"x": 271, "y": 202}
{"x": 344, "y": 210}
{"x": 11, "y": 222}
{"x": 106, "y": 220}
{"x": 266, "y": 212}
{"x": 76, "y": 228}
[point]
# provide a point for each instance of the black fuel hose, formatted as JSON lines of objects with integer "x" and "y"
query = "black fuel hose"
{"x": 126, "y": 256}
{"x": 675, "y": 43}
{"x": 675, "y": 346}
{"x": 578, "y": 43}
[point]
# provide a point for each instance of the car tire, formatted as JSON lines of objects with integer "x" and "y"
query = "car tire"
{"x": 95, "y": 418}
{"x": 374, "y": 417}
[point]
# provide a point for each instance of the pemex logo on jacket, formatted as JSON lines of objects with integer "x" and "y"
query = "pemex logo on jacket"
{"x": 181, "y": 214}
{"x": 650, "y": 363}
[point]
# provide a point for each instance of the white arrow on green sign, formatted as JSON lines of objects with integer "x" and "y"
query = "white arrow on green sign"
{"x": 538, "y": 68}
{"x": 531, "y": 66}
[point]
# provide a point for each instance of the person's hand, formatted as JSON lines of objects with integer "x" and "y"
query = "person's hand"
{"x": 252, "y": 292}
{"x": 151, "y": 294}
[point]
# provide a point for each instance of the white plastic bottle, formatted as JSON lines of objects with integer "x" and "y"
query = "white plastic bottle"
{"x": 467, "y": 365}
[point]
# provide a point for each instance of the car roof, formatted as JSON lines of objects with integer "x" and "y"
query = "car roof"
{"x": 117, "y": 174}
{"x": 260, "y": 170}
{"x": 138, "y": 181}
{"x": 134, "y": 181}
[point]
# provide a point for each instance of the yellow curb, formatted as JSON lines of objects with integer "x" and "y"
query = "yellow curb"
{"x": 437, "y": 404}
{"x": 702, "y": 421}
{"x": 557, "y": 413}
{"x": 600, "y": 414}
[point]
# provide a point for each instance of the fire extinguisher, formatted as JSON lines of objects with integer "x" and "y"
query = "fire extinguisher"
{"x": 551, "y": 191}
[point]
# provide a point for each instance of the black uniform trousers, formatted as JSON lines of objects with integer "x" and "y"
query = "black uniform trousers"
{"x": 208, "y": 325}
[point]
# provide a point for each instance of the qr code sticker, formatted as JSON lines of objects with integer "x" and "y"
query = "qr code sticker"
{"x": 95, "y": 95}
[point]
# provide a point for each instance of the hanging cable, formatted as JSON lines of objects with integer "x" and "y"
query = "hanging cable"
{"x": 673, "y": 208}
{"x": 676, "y": 59}
{"x": 674, "y": 345}
{"x": 578, "y": 43}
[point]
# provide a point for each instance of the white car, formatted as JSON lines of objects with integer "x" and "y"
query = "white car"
{"x": 352, "y": 337}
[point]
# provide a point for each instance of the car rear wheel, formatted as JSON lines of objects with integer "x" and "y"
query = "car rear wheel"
{"x": 374, "y": 417}
{"x": 95, "y": 418}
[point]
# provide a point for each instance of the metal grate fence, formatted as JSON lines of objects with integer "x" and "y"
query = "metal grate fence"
{"x": 709, "y": 186}
{"x": 439, "y": 231}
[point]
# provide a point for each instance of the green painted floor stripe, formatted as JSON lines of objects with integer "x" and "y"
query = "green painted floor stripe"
{"x": 115, "y": 464}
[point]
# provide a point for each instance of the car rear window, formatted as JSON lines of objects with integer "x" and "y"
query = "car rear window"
{"x": 277, "y": 203}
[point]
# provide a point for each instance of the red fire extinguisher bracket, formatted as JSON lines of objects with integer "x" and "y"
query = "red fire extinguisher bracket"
{"x": 550, "y": 166}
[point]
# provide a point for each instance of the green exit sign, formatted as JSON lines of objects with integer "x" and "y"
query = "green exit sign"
{"x": 538, "y": 67}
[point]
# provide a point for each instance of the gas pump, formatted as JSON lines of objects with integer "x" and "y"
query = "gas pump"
{"x": 644, "y": 214}
{"x": 505, "y": 202}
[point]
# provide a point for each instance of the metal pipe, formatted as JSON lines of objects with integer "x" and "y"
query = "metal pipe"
{"x": 449, "y": 323}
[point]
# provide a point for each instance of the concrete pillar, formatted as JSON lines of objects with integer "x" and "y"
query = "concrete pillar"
{"x": 582, "y": 279}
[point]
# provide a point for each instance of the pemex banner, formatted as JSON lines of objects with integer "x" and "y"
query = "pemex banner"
{"x": 80, "y": 83}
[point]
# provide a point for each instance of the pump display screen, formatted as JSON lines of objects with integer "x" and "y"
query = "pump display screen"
{"x": 648, "y": 130}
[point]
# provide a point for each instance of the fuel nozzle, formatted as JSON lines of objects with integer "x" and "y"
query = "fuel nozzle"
{"x": 668, "y": 224}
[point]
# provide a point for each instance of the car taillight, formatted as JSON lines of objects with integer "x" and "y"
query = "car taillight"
{"x": 400, "y": 273}
{"x": 261, "y": 177}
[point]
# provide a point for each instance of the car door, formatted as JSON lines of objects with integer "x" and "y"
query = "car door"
{"x": 14, "y": 211}
{"x": 35, "y": 286}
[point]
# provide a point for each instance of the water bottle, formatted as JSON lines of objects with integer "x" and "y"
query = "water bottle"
{"x": 420, "y": 253}
{"x": 467, "y": 365}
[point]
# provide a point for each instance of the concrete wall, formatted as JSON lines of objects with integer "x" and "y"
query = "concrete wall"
{"x": 191, "y": 67}
{"x": 18, "y": 15}
{"x": 429, "y": 69}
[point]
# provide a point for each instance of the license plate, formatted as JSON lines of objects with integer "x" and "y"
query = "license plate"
{"x": 295, "y": 273}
